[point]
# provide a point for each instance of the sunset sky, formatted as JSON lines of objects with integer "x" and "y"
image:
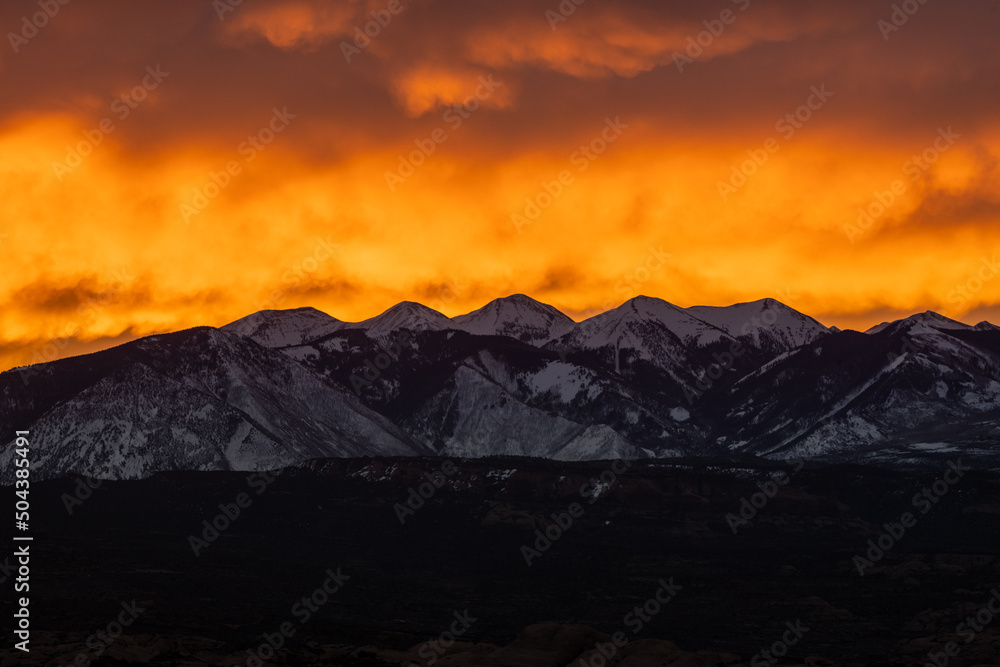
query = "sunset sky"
{"x": 172, "y": 164}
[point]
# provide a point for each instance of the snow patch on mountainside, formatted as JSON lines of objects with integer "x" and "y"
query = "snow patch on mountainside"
{"x": 564, "y": 380}
{"x": 597, "y": 443}
{"x": 844, "y": 401}
{"x": 478, "y": 417}
{"x": 120, "y": 429}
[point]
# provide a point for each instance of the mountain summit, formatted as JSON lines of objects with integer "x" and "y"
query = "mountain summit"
{"x": 515, "y": 378}
{"x": 283, "y": 328}
{"x": 766, "y": 322}
{"x": 517, "y": 316}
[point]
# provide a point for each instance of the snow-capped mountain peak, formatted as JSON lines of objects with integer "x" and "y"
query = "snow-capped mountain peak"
{"x": 645, "y": 379}
{"x": 404, "y": 315}
{"x": 285, "y": 328}
{"x": 517, "y": 316}
{"x": 644, "y": 328}
{"x": 687, "y": 327}
{"x": 928, "y": 319}
{"x": 763, "y": 321}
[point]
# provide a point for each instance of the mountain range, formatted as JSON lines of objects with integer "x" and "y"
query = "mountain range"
{"x": 515, "y": 378}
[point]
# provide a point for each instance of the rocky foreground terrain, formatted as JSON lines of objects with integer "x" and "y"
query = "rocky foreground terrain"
{"x": 652, "y": 566}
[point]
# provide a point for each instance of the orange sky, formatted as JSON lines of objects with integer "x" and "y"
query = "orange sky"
{"x": 305, "y": 129}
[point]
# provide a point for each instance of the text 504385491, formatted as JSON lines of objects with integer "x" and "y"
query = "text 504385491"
{"x": 22, "y": 623}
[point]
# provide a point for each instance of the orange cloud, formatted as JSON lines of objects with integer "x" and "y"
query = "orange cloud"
{"x": 103, "y": 252}
{"x": 294, "y": 25}
{"x": 596, "y": 42}
{"x": 428, "y": 88}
